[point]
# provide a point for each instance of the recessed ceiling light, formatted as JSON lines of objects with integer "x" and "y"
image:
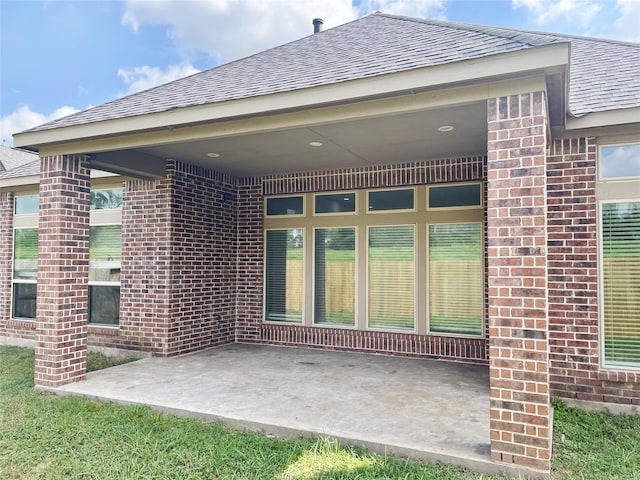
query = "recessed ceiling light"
{"x": 213, "y": 154}
{"x": 445, "y": 128}
{"x": 315, "y": 144}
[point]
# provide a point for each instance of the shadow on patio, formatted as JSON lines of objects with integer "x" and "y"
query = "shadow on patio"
{"x": 426, "y": 409}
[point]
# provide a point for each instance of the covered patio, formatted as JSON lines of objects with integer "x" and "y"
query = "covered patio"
{"x": 420, "y": 408}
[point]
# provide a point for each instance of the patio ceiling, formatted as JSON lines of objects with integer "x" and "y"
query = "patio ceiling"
{"x": 386, "y": 139}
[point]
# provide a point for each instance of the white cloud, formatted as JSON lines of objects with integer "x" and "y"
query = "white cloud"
{"x": 231, "y": 29}
{"x": 627, "y": 26}
{"x": 24, "y": 118}
{"x": 576, "y": 12}
{"x": 142, "y": 78}
{"x": 409, "y": 8}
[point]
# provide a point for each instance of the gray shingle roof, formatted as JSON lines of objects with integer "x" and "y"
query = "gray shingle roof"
{"x": 25, "y": 170}
{"x": 11, "y": 158}
{"x": 605, "y": 74}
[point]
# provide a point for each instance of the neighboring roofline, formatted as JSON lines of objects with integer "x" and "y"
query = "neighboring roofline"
{"x": 482, "y": 69}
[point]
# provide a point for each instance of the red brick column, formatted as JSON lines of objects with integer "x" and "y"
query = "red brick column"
{"x": 517, "y": 275}
{"x": 6, "y": 264}
{"x": 63, "y": 266}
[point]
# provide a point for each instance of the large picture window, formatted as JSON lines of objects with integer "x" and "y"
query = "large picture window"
{"x": 391, "y": 277}
{"x": 284, "y": 274}
{"x": 407, "y": 259}
{"x": 455, "y": 278}
{"x": 335, "y": 276}
{"x": 105, "y": 256}
{"x": 621, "y": 282}
{"x": 25, "y": 270}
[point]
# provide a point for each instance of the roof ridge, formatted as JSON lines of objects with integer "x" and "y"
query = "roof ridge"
{"x": 486, "y": 29}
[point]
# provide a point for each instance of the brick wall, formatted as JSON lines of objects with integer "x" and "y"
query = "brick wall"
{"x": 249, "y": 283}
{"x": 63, "y": 270}
{"x": 250, "y": 326}
{"x": 518, "y": 326}
{"x": 178, "y": 277}
{"x": 573, "y": 280}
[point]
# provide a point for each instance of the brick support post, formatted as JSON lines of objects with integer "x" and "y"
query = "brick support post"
{"x": 6, "y": 261}
{"x": 63, "y": 266}
{"x": 517, "y": 277}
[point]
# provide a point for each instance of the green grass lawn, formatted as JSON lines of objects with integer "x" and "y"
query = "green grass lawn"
{"x": 43, "y": 436}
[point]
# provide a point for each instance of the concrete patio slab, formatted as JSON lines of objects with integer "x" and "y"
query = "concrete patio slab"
{"x": 425, "y": 409}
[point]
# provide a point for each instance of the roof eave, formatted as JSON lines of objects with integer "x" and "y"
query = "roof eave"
{"x": 420, "y": 79}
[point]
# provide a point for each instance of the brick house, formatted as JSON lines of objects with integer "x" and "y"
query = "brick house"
{"x": 393, "y": 185}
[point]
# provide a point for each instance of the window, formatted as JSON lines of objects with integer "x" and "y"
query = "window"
{"x": 391, "y": 277}
{"x": 284, "y": 274}
{"x": 105, "y": 256}
{"x": 277, "y": 206}
{"x": 455, "y": 278}
{"x": 25, "y": 269}
{"x": 619, "y": 254}
{"x": 400, "y": 199}
{"x": 619, "y": 161}
{"x": 28, "y": 204}
{"x": 334, "y": 203}
{"x": 394, "y": 265}
{"x": 106, "y": 199}
{"x": 335, "y": 276}
{"x": 447, "y": 196}
{"x": 620, "y": 223}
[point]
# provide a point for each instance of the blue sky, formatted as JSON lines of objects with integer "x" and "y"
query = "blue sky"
{"x": 58, "y": 57}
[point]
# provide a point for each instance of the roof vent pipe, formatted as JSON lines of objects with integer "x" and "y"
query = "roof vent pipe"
{"x": 317, "y": 25}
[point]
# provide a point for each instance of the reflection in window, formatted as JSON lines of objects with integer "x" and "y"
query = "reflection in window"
{"x": 620, "y": 161}
{"x": 284, "y": 275}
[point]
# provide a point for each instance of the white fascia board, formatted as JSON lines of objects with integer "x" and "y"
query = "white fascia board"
{"x": 610, "y": 118}
{"x": 19, "y": 181}
{"x": 468, "y": 71}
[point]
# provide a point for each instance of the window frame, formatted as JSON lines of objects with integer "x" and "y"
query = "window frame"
{"x": 333, "y": 214}
{"x": 483, "y": 275}
{"x": 414, "y": 329}
{"x": 22, "y": 221}
{"x": 395, "y": 210}
{"x": 461, "y": 207}
{"x": 304, "y": 276}
{"x": 601, "y": 313}
{"x": 610, "y": 144}
{"x": 355, "y": 280}
{"x": 293, "y": 215}
{"x": 419, "y": 217}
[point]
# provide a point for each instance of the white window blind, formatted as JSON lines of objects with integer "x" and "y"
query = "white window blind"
{"x": 621, "y": 282}
{"x": 391, "y": 277}
{"x": 284, "y": 272}
{"x": 335, "y": 276}
{"x": 455, "y": 278}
